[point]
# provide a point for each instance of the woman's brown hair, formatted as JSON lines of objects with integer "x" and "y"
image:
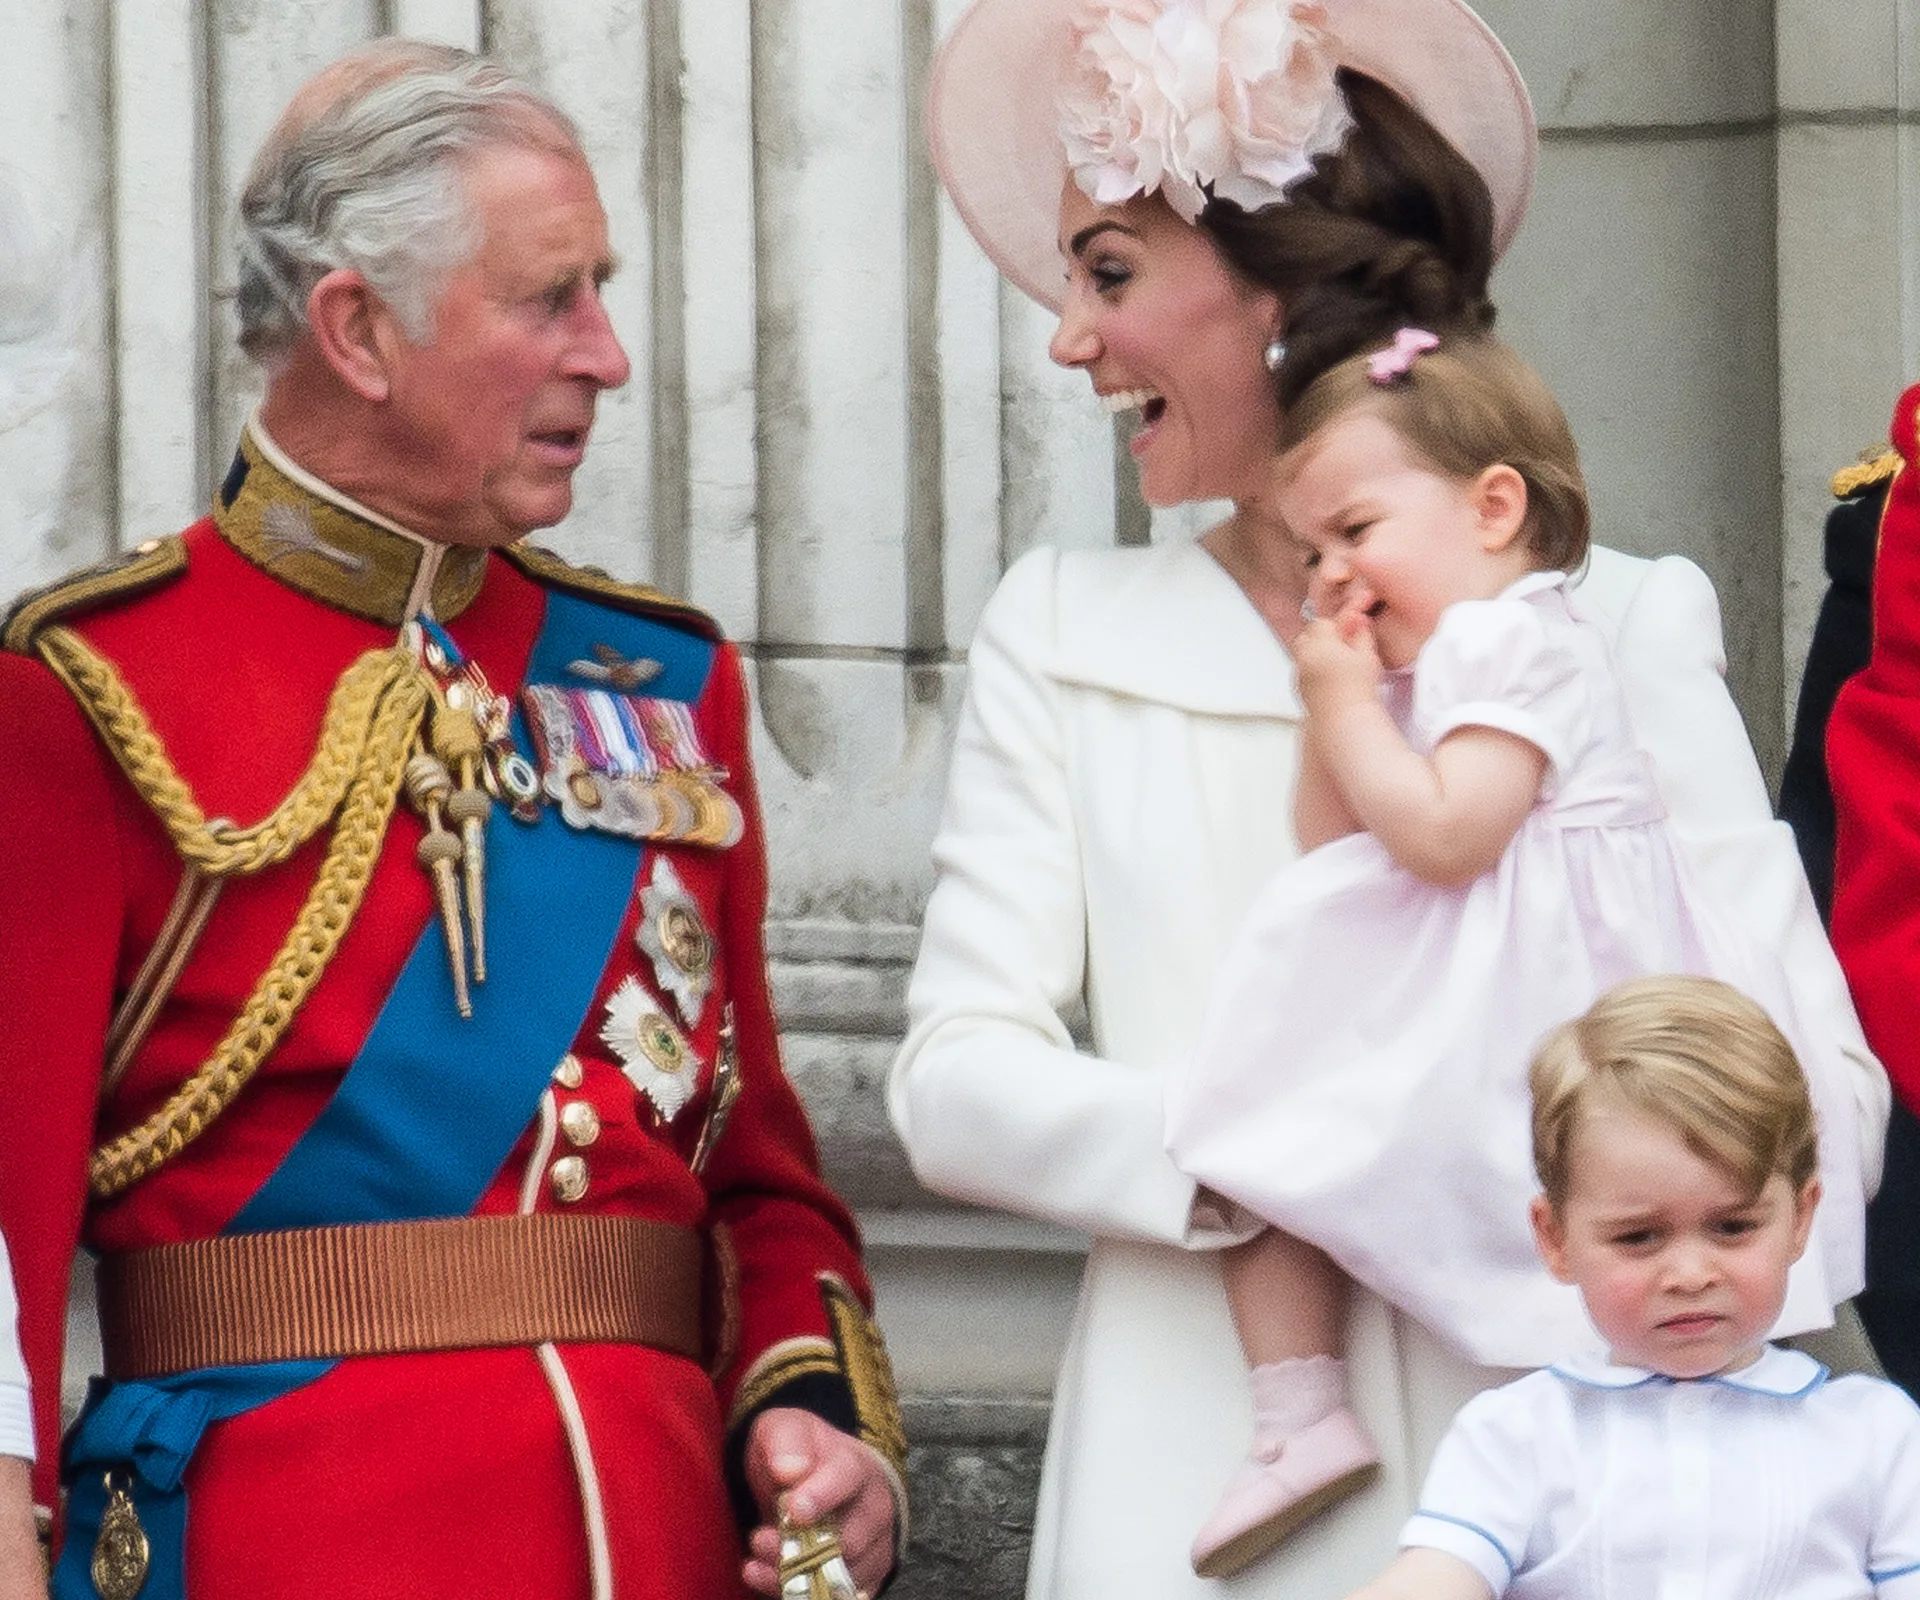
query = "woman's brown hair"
{"x": 1395, "y": 227}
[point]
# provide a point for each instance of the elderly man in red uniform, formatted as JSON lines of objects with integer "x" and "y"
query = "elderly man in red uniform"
{"x": 381, "y": 985}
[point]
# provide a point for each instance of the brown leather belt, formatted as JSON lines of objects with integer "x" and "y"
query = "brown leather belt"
{"x": 381, "y": 1288}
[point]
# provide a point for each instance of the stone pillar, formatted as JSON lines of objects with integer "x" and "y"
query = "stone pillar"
{"x": 842, "y": 428}
{"x": 1642, "y": 286}
{"x": 1849, "y": 256}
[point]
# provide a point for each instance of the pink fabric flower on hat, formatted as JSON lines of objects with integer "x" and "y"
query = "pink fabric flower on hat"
{"x": 1186, "y": 96}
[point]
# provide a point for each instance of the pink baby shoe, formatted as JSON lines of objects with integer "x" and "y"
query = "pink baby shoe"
{"x": 1282, "y": 1484}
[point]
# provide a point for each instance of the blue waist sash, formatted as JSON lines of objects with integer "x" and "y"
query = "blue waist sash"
{"x": 416, "y": 1128}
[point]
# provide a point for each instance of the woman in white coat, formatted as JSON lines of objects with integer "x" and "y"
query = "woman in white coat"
{"x": 1121, "y": 780}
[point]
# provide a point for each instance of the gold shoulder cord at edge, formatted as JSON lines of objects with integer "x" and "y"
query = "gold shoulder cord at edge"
{"x": 222, "y": 849}
{"x": 154, "y": 564}
{"x": 1875, "y": 466}
{"x": 371, "y": 722}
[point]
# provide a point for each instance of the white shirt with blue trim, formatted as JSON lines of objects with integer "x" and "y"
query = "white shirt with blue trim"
{"x": 1592, "y": 1482}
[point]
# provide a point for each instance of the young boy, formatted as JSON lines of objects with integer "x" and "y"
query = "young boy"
{"x": 1675, "y": 1143}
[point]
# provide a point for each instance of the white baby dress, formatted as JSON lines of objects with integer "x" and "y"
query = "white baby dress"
{"x": 1361, "y": 1077}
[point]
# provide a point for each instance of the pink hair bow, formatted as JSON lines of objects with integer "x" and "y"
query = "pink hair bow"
{"x": 1396, "y": 361}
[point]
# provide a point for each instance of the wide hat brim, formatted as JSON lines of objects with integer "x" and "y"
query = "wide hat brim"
{"x": 993, "y": 118}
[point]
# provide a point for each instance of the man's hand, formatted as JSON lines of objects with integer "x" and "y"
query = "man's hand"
{"x": 818, "y": 1473}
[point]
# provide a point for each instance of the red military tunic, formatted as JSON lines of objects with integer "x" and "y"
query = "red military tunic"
{"x": 557, "y": 1471}
{"x": 1873, "y": 762}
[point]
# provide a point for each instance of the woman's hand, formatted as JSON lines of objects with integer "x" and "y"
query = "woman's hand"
{"x": 803, "y": 1463}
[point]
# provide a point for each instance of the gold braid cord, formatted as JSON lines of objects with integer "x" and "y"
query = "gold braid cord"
{"x": 222, "y": 849}
{"x": 371, "y": 724}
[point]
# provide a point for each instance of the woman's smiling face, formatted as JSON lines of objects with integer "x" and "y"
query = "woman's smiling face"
{"x": 1164, "y": 327}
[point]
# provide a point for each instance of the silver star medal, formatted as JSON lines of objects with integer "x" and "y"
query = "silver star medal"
{"x": 654, "y": 1055}
{"x": 674, "y": 937}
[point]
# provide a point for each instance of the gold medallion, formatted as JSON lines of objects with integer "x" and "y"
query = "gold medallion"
{"x": 686, "y": 941}
{"x": 674, "y": 936}
{"x": 121, "y": 1555}
{"x": 660, "y": 1043}
{"x": 653, "y": 1053}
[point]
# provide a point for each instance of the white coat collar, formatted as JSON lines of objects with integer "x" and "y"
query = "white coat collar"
{"x": 1166, "y": 624}
{"x": 1786, "y": 1374}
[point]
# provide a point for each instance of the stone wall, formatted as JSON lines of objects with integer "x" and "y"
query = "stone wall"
{"x": 842, "y": 429}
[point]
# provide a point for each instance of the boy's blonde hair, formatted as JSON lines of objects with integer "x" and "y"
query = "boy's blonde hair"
{"x": 1466, "y": 406}
{"x": 1692, "y": 1053}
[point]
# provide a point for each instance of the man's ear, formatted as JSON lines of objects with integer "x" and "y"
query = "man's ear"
{"x": 1500, "y": 501}
{"x": 355, "y": 332}
{"x": 1549, "y": 1237}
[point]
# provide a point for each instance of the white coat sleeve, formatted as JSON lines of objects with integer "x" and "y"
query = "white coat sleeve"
{"x": 16, "y": 1415}
{"x": 1672, "y": 663}
{"x": 990, "y": 1096}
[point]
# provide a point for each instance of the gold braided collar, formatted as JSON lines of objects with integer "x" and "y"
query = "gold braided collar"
{"x": 314, "y": 539}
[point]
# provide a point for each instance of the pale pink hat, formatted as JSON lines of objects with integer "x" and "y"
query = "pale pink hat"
{"x": 993, "y": 113}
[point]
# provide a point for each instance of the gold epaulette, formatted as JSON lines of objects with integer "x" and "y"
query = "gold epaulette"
{"x": 1875, "y": 467}
{"x": 156, "y": 562}
{"x": 543, "y": 566}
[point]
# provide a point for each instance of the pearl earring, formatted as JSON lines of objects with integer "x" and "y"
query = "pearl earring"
{"x": 1274, "y": 354}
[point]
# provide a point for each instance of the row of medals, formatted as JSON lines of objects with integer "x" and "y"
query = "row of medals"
{"x": 467, "y": 762}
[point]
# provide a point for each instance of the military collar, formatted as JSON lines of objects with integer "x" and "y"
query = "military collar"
{"x": 1785, "y": 1374}
{"x": 311, "y": 537}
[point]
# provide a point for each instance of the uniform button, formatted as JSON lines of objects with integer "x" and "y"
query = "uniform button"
{"x": 567, "y": 1177}
{"x": 580, "y": 1123}
{"x": 146, "y": 547}
{"x": 569, "y": 1074}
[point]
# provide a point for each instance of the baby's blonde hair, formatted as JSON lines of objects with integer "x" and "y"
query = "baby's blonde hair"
{"x": 1468, "y": 405}
{"x": 1692, "y": 1053}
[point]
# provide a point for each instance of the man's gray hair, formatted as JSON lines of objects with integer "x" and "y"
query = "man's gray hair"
{"x": 366, "y": 170}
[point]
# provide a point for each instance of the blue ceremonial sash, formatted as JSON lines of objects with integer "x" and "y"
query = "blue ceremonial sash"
{"x": 414, "y": 1129}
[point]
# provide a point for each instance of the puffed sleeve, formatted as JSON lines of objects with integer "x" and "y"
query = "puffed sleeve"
{"x": 1893, "y": 1557}
{"x": 1481, "y": 1498}
{"x": 1498, "y": 664}
{"x": 990, "y": 1096}
{"x": 1672, "y": 664}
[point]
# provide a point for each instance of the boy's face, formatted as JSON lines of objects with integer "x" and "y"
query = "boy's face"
{"x": 1681, "y": 1271}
